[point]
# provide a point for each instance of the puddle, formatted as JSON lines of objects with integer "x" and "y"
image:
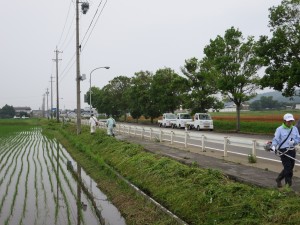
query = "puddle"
{"x": 40, "y": 183}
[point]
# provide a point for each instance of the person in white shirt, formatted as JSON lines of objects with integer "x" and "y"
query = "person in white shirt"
{"x": 93, "y": 123}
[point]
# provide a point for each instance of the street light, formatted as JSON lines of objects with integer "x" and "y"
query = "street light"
{"x": 104, "y": 67}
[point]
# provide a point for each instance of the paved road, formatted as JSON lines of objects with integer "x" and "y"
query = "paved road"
{"x": 262, "y": 173}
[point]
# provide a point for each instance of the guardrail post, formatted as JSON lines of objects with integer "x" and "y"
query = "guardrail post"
{"x": 254, "y": 148}
{"x": 160, "y": 136}
{"x": 124, "y": 129}
{"x": 142, "y": 133}
{"x": 150, "y": 134}
{"x": 202, "y": 143}
{"x": 135, "y": 131}
{"x": 129, "y": 130}
{"x": 172, "y": 133}
{"x": 225, "y": 146}
{"x": 185, "y": 138}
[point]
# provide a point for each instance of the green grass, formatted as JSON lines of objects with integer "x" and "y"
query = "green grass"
{"x": 9, "y": 126}
{"x": 196, "y": 195}
{"x": 257, "y": 113}
{"x": 246, "y": 127}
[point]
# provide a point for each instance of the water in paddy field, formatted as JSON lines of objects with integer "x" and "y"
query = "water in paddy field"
{"x": 40, "y": 184}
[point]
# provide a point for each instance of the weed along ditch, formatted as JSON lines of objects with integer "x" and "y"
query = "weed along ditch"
{"x": 40, "y": 183}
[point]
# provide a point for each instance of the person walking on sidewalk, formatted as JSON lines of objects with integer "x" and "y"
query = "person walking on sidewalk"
{"x": 285, "y": 138}
{"x": 110, "y": 123}
{"x": 93, "y": 123}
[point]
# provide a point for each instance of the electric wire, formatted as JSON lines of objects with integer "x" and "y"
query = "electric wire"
{"x": 71, "y": 37}
{"x": 94, "y": 25}
{"x": 91, "y": 21}
{"x": 65, "y": 24}
{"x": 88, "y": 34}
{"x": 68, "y": 67}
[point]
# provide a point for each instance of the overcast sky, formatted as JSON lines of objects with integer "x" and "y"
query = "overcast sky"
{"x": 129, "y": 36}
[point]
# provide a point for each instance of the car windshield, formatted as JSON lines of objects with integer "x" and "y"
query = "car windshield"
{"x": 204, "y": 117}
{"x": 170, "y": 116}
{"x": 185, "y": 116}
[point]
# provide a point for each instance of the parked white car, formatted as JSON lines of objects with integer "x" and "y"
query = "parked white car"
{"x": 202, "y": 121}
{"x": 167, "y": 120}
{"x": 181, "y": 120}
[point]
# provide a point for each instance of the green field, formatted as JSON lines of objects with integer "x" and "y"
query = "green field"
{"x": 9, "y": 126}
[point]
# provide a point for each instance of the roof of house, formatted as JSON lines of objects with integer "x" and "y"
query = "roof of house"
{"x": 26, "y": 108}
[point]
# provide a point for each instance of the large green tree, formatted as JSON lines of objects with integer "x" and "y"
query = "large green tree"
{"x": 201, "y": 82}
{"x": 281, "y": 52}
{"x": 166, "y": 91}
{"x": 112, "y": 98}
{"x": 236, "y": 64}
{"x": 140, "y": 102}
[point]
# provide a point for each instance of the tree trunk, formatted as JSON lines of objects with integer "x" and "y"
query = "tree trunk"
{"x": 238, "y": 117}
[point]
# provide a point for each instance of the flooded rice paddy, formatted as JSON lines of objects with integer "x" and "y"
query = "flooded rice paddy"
{"x": 40, "y": 183}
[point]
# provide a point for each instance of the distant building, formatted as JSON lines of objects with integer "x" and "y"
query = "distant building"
{"x": 231, "y": 107}
{"x": 37, "y": 113}
{"x": 22, "y": 109}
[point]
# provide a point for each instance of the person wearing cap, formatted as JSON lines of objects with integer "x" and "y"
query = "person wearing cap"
{"x": 285, "y": 138}
{"x": 93, "y": 123}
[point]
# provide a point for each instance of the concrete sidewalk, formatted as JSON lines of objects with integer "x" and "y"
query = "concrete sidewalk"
{"x": 262, "y": 173}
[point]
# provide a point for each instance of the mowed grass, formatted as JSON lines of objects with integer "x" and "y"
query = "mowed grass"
{"x": 198, "y": 196}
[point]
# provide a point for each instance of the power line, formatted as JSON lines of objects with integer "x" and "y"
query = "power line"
{"x": 69, "y": 33}
{"x": 91, "y": 21}
{"x": 94, "y": 24}
{"x": 71, "y": 62}
{"x": 66, "y": 69}
{"x": 65, "y": 23}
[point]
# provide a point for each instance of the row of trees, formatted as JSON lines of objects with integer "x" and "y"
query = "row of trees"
{"x": 268, "y": 103}
{"x": 7, "y": 112}
{"x": 229, "y": 67}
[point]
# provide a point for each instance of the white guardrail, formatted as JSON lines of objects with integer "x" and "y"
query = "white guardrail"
{"x": 187, "y": 138}
{"x": 237, "y": 145}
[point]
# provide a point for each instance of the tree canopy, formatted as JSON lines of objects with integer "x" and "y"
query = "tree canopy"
{"x": 281, "y": 52}
{"x": 200, "y": 95}
{"x": 235, "y": 66}
{"x": 7, "y": 111}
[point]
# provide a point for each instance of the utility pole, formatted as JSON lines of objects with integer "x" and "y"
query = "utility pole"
{"x": 78, "y": 71}
{"x": 57, "y": 94}
{"x": 43, "y": 106}
{"x": 84, "y": 8}
{"x": 47, "y": 93}
{"x": 51, "y": 97}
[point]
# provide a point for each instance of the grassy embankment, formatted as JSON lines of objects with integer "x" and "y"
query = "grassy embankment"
{"x": 198, "y": 196}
